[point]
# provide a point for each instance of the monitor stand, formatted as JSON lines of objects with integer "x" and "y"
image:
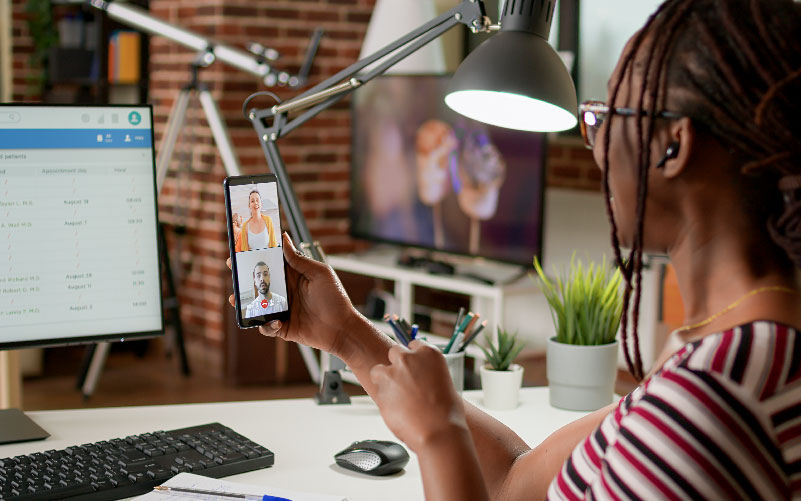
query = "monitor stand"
{"x": 15, "y": 426}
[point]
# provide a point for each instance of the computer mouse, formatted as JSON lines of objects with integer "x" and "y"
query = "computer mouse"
{"x": 373, "y": 457}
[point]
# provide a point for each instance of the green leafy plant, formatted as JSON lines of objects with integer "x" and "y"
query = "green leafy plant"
{"x": 585, "y": 302}
{"x": 42, "y": 28}
{"x": 500, "y": 356}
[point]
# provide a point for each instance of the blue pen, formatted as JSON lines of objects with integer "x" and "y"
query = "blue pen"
{"x": 404, "y": 326}
{"x": 181, "y": 491}
{"x": 414, "y": 331}
{"x": 398, "y": 332}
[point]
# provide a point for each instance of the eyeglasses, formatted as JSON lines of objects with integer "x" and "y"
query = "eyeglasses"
{"x": 593, "y": 113}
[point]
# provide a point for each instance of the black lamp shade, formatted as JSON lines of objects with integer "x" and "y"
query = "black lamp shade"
{"x": 516, "y": 79}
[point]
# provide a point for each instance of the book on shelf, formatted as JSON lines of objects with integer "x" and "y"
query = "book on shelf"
{"x": 124, "y": 53}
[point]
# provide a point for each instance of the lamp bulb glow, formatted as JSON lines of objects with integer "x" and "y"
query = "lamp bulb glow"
{"x": 512, "y": 111}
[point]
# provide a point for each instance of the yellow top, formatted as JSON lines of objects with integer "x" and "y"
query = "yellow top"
{"x": 242, "y": 244}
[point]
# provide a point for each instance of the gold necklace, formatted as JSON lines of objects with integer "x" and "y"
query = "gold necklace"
{"x": 772, "y": 288}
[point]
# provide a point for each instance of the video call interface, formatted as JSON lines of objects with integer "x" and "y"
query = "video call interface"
{"x": 256, "y": 227}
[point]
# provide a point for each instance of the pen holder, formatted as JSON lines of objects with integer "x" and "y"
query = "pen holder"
{"x": 455, "y": 362}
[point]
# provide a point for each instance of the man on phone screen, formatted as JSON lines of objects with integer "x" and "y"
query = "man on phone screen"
{"x": 266, "y": 302}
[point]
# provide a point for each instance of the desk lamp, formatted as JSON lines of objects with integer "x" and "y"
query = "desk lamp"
{"x": 515, "y": 80}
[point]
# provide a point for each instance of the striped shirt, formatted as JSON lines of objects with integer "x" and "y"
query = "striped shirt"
{"x": 720, "y": 420}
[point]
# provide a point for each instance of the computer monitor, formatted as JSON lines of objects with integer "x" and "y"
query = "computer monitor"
{"x": 425, "y": 176}
{"x": 79, "y": 260}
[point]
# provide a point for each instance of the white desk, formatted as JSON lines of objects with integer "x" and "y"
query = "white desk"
{"x": 303, "y": 436}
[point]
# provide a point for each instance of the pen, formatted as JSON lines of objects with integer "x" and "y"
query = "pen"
{"x": 459, "y": 328}
{"x": 404, "y": 324}
{"x": 403, "y": 327}
{"x": 180, "y": 491}
{"x": 456, "y": 325}
{"x": 388, "y": 320}
{"x": 472, "y": 335}
{"x": 398, "y": 332}
{"x": 459, "y": 318}
{"x": 470, "y": 324}
{"x": 415, "y": 328}
{"x": 467, "y": 320}
{"x": 456, "y": 343}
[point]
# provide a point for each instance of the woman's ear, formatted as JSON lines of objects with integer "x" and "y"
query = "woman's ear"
{"x": 679, "y": 149}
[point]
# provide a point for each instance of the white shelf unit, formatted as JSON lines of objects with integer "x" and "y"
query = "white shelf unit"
{"x": 490, "y": 301}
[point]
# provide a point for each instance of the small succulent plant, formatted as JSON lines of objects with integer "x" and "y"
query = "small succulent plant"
{"x": 500, "y": 355}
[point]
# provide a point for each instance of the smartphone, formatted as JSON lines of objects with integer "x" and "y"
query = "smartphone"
{"x": 257, "y": 256}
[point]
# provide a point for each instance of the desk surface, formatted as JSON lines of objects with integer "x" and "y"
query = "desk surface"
{"x": 303, "y": 436}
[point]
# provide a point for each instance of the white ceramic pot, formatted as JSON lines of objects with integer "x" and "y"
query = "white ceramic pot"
{"x": 501, "y": 388}
{"x": 581, "y": 378}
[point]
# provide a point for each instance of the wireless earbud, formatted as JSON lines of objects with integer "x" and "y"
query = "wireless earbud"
{"x": 671, "y": 152}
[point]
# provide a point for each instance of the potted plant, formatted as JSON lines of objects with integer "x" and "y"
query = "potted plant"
{"x": 586, "y": 305}
{"x": 42, "y": 28}
{"x": 500, "y": 378}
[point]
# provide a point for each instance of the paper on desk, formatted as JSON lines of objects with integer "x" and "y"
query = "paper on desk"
{"x": 190, "y": 481}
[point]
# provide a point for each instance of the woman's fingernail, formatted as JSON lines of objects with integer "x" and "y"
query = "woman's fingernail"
{"x": 275, "y": 324}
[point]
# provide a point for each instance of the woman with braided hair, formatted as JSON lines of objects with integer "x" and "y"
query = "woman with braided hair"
{"x": 700, "y": 148}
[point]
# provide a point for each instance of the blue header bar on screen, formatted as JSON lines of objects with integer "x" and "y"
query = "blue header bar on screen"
{"x": 36, "y": 139}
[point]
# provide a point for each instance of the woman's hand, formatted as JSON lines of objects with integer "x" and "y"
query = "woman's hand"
{"x": 419, "y": 404}
{"x": 319, "y": 309}
{"x": 416, "y": 396}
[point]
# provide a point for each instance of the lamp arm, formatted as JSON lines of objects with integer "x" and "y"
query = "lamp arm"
{"x": 293, "y": 212}
{"x": 141, "y": 19}
{"x": 311, "y": 51}
{"x": 322, "y": 96}
{"x": 469, "y": 12}
{"x": 331, "y": 95}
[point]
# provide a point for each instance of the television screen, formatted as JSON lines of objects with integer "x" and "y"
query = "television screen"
{"x": 424, "y": 176}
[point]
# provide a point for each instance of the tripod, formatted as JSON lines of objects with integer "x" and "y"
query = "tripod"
{"x": 96, "y": 355}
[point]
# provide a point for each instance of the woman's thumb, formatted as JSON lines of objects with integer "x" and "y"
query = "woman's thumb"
{"x": 295, "y": 258}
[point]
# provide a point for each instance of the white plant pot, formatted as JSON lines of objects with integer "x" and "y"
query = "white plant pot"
{"x": 501, "y": 388}
{"x": 581, "y": 378}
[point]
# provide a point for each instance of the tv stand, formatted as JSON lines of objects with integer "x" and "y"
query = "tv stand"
{"x": 496, "y": 300}
{"x": 427, "y": 263}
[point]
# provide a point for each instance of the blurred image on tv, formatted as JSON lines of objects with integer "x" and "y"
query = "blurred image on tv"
{"x": 424, "y": 176}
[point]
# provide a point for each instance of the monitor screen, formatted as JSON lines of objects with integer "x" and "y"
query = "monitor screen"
{"x": 425, "y": 176}
{"x": 78, "y": 225}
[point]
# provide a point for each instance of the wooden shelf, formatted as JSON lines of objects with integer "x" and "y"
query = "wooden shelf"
{"x": 91, "y": 77}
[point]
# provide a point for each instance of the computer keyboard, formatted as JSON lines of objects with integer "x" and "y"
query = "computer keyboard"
{"x": 130, "y": 466}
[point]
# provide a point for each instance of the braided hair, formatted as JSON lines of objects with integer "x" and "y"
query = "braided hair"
{"x": 734, "y": 68}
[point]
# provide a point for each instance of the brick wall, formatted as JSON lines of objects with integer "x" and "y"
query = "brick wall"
{"x": 21, "y": 50}
{"x": 570, "y": 165}
{"x": 317, "y": 154}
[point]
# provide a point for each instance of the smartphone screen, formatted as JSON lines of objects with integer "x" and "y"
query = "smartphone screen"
{"x": 257, "y": 256}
